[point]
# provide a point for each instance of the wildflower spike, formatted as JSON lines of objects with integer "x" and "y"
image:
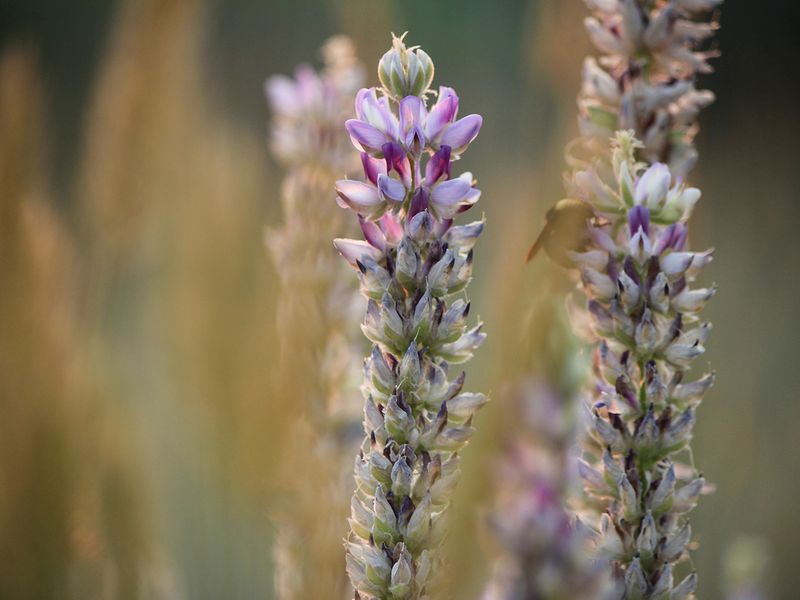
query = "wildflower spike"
{"x": 640, "y": 424}
{"x": 415, "y": 420}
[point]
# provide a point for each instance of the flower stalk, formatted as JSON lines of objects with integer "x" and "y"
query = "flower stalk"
{"x": 410, "y": 264}
{"x": 316, "y": 304}
{"x": 645, "y": 79}
{"x": 317, "y": 311}
{"x": 544, "y": 549}
{"x": 637, "y": 273}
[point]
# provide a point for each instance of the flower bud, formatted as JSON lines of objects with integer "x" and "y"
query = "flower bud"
{"x": 409, "y": 370}
{"x": 402, "y": 574}
{"x": 405, "y": 71}
{"x": 401, "y": 478}
{"x": 646, "y": 334}
{"x": 398, "y": 422}
{"x": 419, "y": 526}
{"x": 635, "y": 582}
{"x": 423, "y": 569}
{"x": 384, "y": 526}
{"x": 463, "y": 406}
{"x": 676, "y": 544}
{"x": 628, "y": 499}
{"x": 685, "y": 589}
{"x": 377, "y": 566}
{"x": 439, "y": 275}
{"x": 686, "y": 497}
{"x": 663, "y": 586}
{"x": 360, "y": 518}
{"x": 453, "y": 322}
{"x": 662, "y": 498}
{"x": 647, "y": 540}
{"x": 381, "y": 374}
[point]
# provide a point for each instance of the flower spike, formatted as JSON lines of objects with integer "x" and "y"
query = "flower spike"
{"x": 411, "y": 263}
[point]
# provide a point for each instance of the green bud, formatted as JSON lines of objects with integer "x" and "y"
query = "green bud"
{"x": 402, "y": 573}
{"x": 628, "y": 499}
{"x": 635, "y": 581}
{"x": 360, "y": 518}
{"x": 439, "y": 275}
{"x": 380, "y": 468}
{"x": 377, "y": 566}
{"x": 409, "y": 370}
{"x": 419, "y": 526}
{"x": 405, "y": 71}
{"x": 423, "y": 569}
{"x": 663, "y": 587}
{"x": 662, "y": 498}
{"x": 407, "y": 263}
{"x": 401, "y": 478}
{"x": 648, "y": 539}
{"x": 381, "y": 374}
{"x": 397, "y": 421}
{"x": 462, "y": 407}
{"x": 384, "y": 525}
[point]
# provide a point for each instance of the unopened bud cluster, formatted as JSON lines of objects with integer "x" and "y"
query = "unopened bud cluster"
{"x": 637, "y": 274}
{"x": 405, "y": 71}
{"x": 410, "y": 264}
{"x": 645, "y": 82}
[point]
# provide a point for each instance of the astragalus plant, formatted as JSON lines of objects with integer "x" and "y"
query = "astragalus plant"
{"x": 411, "y": 263}
{"x": 318, "y": 311}
{"x": 645, "y": 80}
{"x": 637, "y": 272}
{"x": 316, "y": 300}
{"x": 544, "y": 554}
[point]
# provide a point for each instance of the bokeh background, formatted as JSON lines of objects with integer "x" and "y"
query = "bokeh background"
{"x": 138, "y": 435}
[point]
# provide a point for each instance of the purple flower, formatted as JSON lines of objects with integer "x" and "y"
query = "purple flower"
{"x": 366, "y": 137}
{"x": 453, "y": 196}
{"x": 460, "y": 134}
{"x": 400, "y": 140}
{"x": 638, "y": 218}
{"x": 372, "y": 167}
{"x": 308, "y": 107}
{"x": 652, "y": 186}
{"x": 438, "y": 165}
{"x": 397, "y": 160}
{"x": 391, "y": 189}
{"x": 412, "y": 117}
{"x": 354, "y": 250}
{"x": 442, "y": 113}
{"x": 361, "y": 197}
{"x": 672, "y": 237}
{"x": 413, "y": 126}
{"x": 385, "y": 231}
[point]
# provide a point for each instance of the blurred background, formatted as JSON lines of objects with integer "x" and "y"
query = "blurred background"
{"x": 138, "y": 435}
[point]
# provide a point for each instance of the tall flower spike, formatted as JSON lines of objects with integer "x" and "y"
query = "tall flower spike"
{"x": 410, "y": 264}
{"x": 317, "y": 311}
{"x": 543, "y": 545}
{"x": 637, "y": 274}
{"x": 645, "y": 81}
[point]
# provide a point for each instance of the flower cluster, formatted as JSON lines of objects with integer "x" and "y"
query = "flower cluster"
{"x": 646, "y": 80}
{"x": 411, "y": 262}
{"x": 544, "y": 547}
{"x": 308, "y": 110}
{"x": 637, "y": 272}
{"x": 318, "y": 308}
{"x": 316, "y": 303}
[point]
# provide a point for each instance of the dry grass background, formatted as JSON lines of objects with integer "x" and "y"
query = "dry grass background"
{"x": 141, "y": 435}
